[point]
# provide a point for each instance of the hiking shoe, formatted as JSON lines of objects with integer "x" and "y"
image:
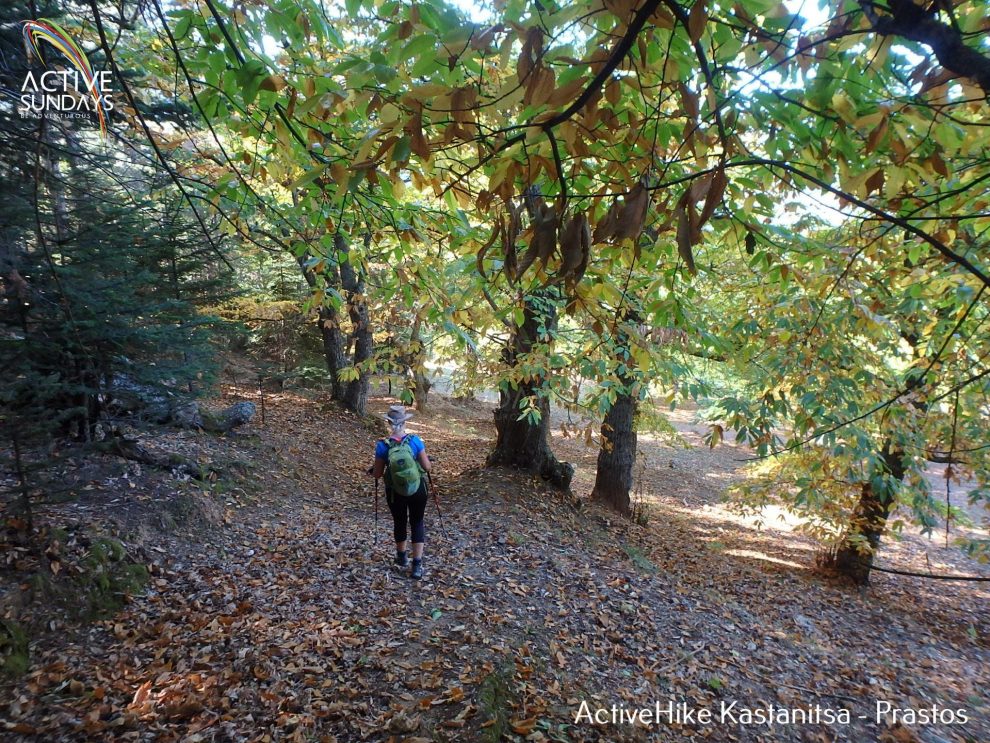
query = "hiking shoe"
{"x": 401, "y": 558}
{"x": 417, "y": 570}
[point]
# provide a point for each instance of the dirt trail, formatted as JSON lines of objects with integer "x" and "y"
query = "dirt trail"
{"x": 289, "y": 623}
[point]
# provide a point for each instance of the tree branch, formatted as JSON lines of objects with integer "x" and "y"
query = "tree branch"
{"x": 913, "y": 22}
{"x": 147, "y": 131}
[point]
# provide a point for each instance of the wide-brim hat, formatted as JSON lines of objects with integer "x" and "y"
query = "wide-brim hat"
{"x": 397, "y": 414}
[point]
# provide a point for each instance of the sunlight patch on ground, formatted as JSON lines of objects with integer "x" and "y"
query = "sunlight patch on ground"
{"x": 721, "y": 476}
{"x": 762, "y": 557}
{"x": 772, "y": 517}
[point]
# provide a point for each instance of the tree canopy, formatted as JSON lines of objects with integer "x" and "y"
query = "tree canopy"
{"x": 796, "y": 192}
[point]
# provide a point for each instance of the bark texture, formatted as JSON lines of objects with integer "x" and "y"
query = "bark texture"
{"x": 355, "y": 394}
{"x": 339, "y": 346}
{"x": 614, "y": 476}
{"x": 520, "y": 443}
{"x": 617, "y": 456}
{"x": 853, "y": 559}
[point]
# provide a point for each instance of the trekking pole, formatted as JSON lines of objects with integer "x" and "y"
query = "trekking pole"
{"x": 436, "y": 500}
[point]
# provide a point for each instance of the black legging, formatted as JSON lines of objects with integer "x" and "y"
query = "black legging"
{"x": 411, "y": 508}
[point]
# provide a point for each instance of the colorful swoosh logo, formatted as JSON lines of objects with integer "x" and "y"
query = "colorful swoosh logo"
{"x": 47, "y": 30}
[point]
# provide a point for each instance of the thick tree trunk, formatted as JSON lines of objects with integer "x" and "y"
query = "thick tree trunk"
{"x": 333, "y": 350}
{"x": 421, "y": 390}
{"x": 854, "y": 557}
{"x": 520, "y": 443}
{"x": 328, "y": 324}
{"x": 355, "y": 397}
{"x": 614, "y": 476}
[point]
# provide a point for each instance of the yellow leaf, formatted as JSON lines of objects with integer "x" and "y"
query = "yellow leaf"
{"x": 843, "y": 105}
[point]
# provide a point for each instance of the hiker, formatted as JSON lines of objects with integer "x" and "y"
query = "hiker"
{"x": 401, "y": 459}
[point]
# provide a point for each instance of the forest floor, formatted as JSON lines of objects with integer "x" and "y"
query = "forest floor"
{"x": 273, "y": 611}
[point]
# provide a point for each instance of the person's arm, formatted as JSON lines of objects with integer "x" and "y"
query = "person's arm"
{"x": 424, "y": 461}
{"x": 378, "y": 469}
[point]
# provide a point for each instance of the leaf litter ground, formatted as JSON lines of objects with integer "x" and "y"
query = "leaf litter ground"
{"x": 277, "y": 614}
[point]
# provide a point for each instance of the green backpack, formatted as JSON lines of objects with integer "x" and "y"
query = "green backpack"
{"x": 402, "y": 474}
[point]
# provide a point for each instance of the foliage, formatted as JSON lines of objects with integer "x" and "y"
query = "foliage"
{"x": 795, "y": 197}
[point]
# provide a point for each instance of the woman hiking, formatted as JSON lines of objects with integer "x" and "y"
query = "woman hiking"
{"x": 401, "y": 459}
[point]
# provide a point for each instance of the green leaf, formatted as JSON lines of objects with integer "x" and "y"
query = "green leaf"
{"x": 249, "y": 77}
{"x": 307, "y": 177}
{"x": 400, "y": 151}
{"x": 419, "y": 45}
{"x": 183, "y": 26}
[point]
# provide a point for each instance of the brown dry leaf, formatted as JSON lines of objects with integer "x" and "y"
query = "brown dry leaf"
{"x": 612, "y": 91}
{"x": 684, "y": 232}
{"x": 497, "y": 228}
{"x": 483, "y": 39}
{"x": 567, "y": 93}
{"x": 630, "y": 222}
{"x": 545, "y": 82}
{"x": 529, "y": 56}
{"x": 877, "y": 134}
{"x": 272, "y": 83}
{"x": 898, "y": 733}
{"x": 699, "y": 188}
{"x": 697, "y": 19}
{"x": 875, "y": 181}
{"x": 141, "y": 695}
{"x": 524, "y": 727}
{"x": 605, "y": 229}
{"x": 689, "y": 101}
{"x": 417, "y": 140}
{"x": 575, "y": 246}
{"x": 713, "y": 197}
{"x": 938, "y": 165}
{"x": 543, "y": 236}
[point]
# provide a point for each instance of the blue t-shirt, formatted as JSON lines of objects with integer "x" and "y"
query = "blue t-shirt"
{"x": 414, "y": 441}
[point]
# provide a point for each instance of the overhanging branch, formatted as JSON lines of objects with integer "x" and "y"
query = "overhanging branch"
{"x": 910, "y": 21}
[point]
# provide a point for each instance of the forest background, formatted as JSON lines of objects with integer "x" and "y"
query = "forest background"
{"x": 773, "y": 213}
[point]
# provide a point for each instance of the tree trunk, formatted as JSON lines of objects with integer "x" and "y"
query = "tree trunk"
{"x": 617, "y": 456}
{"x": 854, "y": 557}
{"x": 355, "y": 397}
{"x": 520, "y": 443}
{"x": 421, "y": 382}
{"x": 421, "y": 390}
{"x": 333, "y": 349}
{"x": 614, "y": 476}
{"x": 328, "y": 324}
